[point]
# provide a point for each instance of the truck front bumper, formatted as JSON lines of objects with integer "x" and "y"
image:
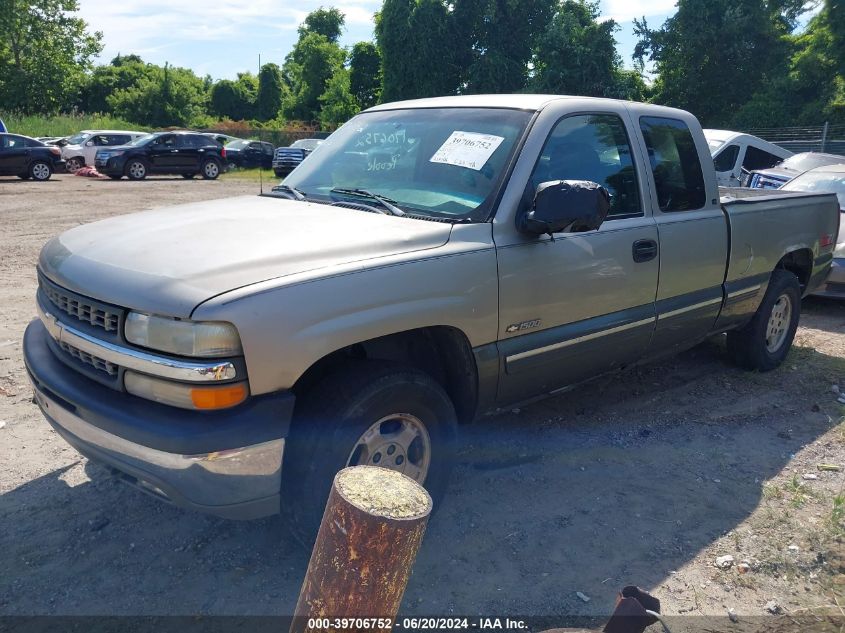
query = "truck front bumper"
{"x": 226, "y": 463}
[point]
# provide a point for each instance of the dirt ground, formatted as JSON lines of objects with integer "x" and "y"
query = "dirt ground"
{"x": 643, "y": 478}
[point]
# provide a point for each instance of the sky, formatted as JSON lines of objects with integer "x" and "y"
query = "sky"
{"x": 223, "y": 37}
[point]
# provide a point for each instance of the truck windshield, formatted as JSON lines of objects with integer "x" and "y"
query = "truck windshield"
{"x": 442, "y": 162}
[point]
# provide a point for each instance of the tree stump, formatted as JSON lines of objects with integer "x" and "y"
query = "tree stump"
{"x": 369, "y": 537}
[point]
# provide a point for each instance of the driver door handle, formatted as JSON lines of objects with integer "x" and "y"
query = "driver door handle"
{"x": 644, "y": 250}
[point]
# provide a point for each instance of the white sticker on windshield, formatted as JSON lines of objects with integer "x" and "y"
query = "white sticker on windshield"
{"x": 467, "y": 149}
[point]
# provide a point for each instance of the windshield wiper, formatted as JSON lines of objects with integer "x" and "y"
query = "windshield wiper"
{"x": 387, "y": 203}
{"x": 292, "y": 192}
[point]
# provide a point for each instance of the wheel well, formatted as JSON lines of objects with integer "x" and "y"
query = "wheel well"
{"x": 799, "y": 263}
{"x": 442, "y": 352}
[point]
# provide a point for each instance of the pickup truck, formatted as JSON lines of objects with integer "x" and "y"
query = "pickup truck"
{"x": 431, "y": 262}
{"x": 735, "y": 154}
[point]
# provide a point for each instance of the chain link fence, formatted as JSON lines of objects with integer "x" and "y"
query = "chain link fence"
{"x": 823, "y": 138}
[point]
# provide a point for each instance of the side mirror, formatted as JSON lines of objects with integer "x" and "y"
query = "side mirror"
{"x": 89, "y": 144}
{"x": 566, "y": 205}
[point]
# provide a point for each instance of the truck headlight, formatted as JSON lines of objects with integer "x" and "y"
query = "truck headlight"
{"x": 182, "y": 338}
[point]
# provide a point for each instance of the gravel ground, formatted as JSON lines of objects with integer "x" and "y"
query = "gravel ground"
{"x": 643, "y": 478}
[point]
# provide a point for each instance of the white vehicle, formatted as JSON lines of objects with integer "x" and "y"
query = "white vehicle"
{"x": 81, "y": 148}
{"x": 734, "y": 152}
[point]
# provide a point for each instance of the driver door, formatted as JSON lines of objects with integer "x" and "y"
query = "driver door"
{"x": 582, "y": 303}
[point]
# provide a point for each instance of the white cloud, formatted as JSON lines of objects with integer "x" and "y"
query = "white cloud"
{"x": 627, "y": 10}
{"x": 152, "y": 26}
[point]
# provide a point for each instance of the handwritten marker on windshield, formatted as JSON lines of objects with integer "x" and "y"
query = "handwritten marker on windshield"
{"x": 371, "y": 531}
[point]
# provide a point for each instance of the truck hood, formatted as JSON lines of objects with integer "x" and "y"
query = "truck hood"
{"x": 168, "y": 261}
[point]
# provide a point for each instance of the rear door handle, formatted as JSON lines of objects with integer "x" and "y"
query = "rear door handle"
{"x": 644, "y": 250}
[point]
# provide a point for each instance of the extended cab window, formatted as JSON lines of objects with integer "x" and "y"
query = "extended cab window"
{"x": 758, "y": 159}
{"x": 726, "y": 159}
{"x": 592, "y": 147}
{"x": 674, "y": 163}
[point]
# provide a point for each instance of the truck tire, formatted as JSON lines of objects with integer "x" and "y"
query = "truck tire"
{"x": 765, "y": 341}
{"x": 372, "y": 412}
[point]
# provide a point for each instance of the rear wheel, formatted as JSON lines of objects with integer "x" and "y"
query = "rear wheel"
{"x": 40, "y": 170}
{"x": 210, "y": 169}
{"x": 765, "y": 341}
{"x": 136, "y": 169}
{"x": 74, "y": 165}
{"x": 375, "y": 413}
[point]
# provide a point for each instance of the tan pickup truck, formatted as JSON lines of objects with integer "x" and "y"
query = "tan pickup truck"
{"x": 431, "y": 261}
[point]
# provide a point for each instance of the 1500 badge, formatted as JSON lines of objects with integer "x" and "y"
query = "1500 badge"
{"x": 525, "y": 325}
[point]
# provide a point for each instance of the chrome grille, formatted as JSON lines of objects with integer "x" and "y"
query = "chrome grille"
{"x": 80, "y": 308}
{"x": 98, "y": 363}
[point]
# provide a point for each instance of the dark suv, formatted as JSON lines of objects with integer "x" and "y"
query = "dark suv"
{"x": 182, "y": 153}
{"x": 26, "y": 158}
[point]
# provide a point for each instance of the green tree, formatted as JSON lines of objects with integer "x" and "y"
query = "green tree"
{"x": 163, "y": 97}
{"x": 338, "y": 103}
{"x": 235, "y": 99}
{"x": 421, "y": 49}
{"x": 312, "y": 63}
{"x": 811, "y": 89}
{"x": 44, "y": 53}
{"x": 365, "y": 74}
{"x": 271, "y": 92}
{"x": 577, "y": 54}
{"x": 713, "y": 54}
{"x": 122, "y": 73}
{"x": 327, "y": 22}
{"x": 501, "y": 35}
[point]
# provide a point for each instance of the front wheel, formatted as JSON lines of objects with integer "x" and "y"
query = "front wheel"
{"x": 210, "y": 170}
{"x": 74, "y": 165}
{"x": 40, "y": 171}
{"x": 765, "y": 341}
{"x": 136, "y": 169}
{"x": 372, "y": 413}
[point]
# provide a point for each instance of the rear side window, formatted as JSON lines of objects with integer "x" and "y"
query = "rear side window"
{"x": 674, "y": 163}
{"x": 593, "y": 147}
{"x": 189, "y": 141}
{"x": 726, "y": 160}
{"x": 758, "y": 159}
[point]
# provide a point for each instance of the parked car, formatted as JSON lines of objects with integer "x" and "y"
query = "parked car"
{"x": 249, "y": 154}
{"x": 828, "y": 179}
{"x": 184, "y": 153}
{"x": 793, "y": 166}
{"x": 223, "y": 139}
{"x": 231, "y": 356}
{"x": 50, "y": 140}
{"x": 27, "y": 158}
{"x": 81, "y": 149}
{"x": 286, "y": 159}
{"x": 735, "y": 152}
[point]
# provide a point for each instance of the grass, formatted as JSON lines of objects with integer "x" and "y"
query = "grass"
{"x": 64, "y": 124}
{"x": 253, "y": 175}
